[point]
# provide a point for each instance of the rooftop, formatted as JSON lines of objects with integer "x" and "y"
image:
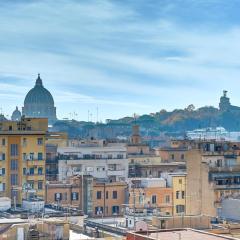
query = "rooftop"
{"x": 186, "y": 234}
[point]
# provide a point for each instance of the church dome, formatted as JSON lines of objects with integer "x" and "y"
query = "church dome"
{"x": 39, "y": 95}
{"x": 16, "y": 115}
{"x": 39, "y": 103}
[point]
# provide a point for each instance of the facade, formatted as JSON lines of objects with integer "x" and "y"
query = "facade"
{"x": 179, "y": 193}
{"x": 183, "y": 233}
{"x": 53, "y": 141}
{"x": 22, "y": 159}
{"x": 109, "y": 198}
{"x": 171, "y": 154}
{"x": 108, "y": 161}
{"x": 39, "y": 103}
{"x": 95, "y": 198}
{"x": 151, "y": 195}
{"x": 67, "y": 193}
{"x": 212, "y": 175}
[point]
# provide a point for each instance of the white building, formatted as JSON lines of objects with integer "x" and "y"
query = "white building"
{"x": 100, "y": 161}
{"x": 33, "y": 205}
{"x": 5, "y": 204}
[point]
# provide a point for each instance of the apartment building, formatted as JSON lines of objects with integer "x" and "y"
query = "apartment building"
{"x": 95, "y": 198}
{"x": 22, "y": 158}
{"x": 177, "y": 182}
{"x": 213, "y": 172}
{"x": 109, "y": 198}
{"x": 151, "y": 195}
{"x": 102, "y": 161}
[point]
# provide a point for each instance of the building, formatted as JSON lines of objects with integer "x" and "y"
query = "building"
{"x": 39, "y": 103}
{"x": 95, "y": 198}
{"x": 212, "y": 175}
{"x": 53, "y": 228}
{"x": 136, "y": 146}
{"x": 16, "y": 115}
{"x": 69, "y": 193}
{"x": 53, "y": 141}
{"x": 172, "y": 153}
{"x": 109, "y": 198}
{"x": 174, "y": 234}
{"x": 102, "y": 161}
{"x": 22, "y": 159}
{"x": 177, "y": 182}
{"x": 151, "y": 195}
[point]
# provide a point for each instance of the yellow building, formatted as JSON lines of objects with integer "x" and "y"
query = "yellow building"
{"x": 22, "y": 158}
{"x": 179, "y": 193}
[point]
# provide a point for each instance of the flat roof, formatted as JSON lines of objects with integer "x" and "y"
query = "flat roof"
{"x": 186, "y": 234}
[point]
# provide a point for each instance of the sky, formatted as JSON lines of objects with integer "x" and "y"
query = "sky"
{"x": 120, "y": 56}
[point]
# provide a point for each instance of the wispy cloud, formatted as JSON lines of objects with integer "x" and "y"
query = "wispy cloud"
{"x": 127, "y": 56}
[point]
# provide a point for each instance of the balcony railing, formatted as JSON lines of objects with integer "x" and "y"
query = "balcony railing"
{"x": 116, "y": 172}
{"x": 233, "y": 168}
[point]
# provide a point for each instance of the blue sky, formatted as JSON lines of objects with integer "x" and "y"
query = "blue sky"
{"x": 122, "y": 56}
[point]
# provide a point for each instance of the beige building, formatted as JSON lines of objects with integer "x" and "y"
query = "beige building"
{"x": 212, "y": 174}
{"x": 22, "y": 158}
{"x": 150, "y": 194}
{"x": 93, "y": 197}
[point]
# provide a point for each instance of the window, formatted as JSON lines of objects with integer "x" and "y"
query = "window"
{"x": 109, "y": 156}
{"x": 99, "y": 194}
{"x": 180, "y": 181}
{"x": 74, "y": 196}
{"x": 24, "y": 171}
{"x": 31, "y": 184}
{"x": 31, "y": 171}
{"x": 65, "y": 196}
{"x": 98, "y": 210}
{"x": 219, "y": 163}
{"x": 120, "y": 156}
{"x": 167, "y": 199}
{"x": 3, "y": 142}
{"x": 154, "y": 199}
{"x": 40, "y": 171}
{"x": 177, "y": 194}
{"x": 2, "y": 156}
{"x": 14, "y": 179}
{"x": 3, "y": 186}
{"x": 115, "y": 209}
{"x": 10, "y": 128}
{"x": 40, "y": 156}
{"x": 14, "y": 150}
{"x": 40, "y": 141}
{"x": 141, "y": 198}
{"x": 180, "y": 208}
{"x": 24, "y": 142}
{"x": 182, "y": 156}
{"x": 40, "y": 185}
{"x": 31, "y": 156}
{"x": 114, "y": 195}
{"x": 24, "y": 156}
{"x": 106, "y": 194}
{"x": 58, "y": 196}
{"x": 14, "y": 164}
{"x": 2, "y": 171}
{"x": 172, "y": 156}
{"x": 183, "y": 194}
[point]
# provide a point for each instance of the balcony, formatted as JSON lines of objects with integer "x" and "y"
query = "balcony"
{"x": 233, "y": 168}
{"x": 121, "y": 172}
{"x": 35, "y": 162}
{"x": 35, "y": 176}
{"x": 226, "y": 186}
